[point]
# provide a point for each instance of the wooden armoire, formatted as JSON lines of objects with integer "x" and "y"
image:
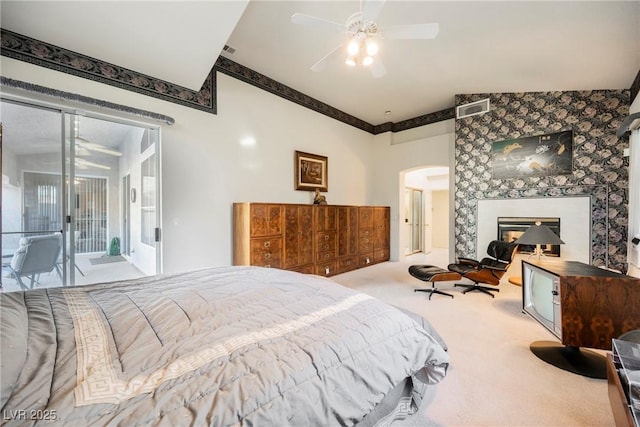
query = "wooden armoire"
{"x": 313, "y": 239}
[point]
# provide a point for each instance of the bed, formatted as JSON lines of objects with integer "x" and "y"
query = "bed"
{"x": 218, "y": 346}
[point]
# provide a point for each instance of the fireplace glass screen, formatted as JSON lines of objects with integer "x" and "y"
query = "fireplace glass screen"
{"x": 511, "y": 228}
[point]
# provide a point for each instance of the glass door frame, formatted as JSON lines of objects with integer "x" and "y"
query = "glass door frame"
{"x": 68, "y": 115}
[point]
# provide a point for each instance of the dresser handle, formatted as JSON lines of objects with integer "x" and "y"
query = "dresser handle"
{"x": 326, "y": 237}
{"x": 326, "y": 256}
{"x": 267, "y": 244}
{"x": 267, "y": 255}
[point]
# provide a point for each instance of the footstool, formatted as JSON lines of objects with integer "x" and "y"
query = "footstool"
{"x": 431, "y": 273}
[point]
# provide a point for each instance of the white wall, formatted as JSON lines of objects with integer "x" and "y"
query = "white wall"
{"x": 574, "y": 214}
{"x": 394, "y": 155}
{"x": 205, "y": 168}
{"x": 441, "y": 214}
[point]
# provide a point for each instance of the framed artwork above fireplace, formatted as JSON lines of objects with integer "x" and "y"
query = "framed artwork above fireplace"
{"x": 542, "y": 155}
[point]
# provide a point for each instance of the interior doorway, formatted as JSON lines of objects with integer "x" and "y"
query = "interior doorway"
{"x": 413, "y": 219}
{"x": 426, "y": 206}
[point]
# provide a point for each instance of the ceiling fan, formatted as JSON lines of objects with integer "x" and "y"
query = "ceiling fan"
{"x": 86, "y": 148}
{"x": 363, "y": 36}
{"x": 83, "y": 145}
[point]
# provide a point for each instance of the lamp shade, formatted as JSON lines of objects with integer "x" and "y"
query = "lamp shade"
{"x": 539, "y": 235}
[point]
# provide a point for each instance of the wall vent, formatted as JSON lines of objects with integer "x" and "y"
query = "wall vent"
{"x": 472, "y": 109}
{"x": 229, "y": 49}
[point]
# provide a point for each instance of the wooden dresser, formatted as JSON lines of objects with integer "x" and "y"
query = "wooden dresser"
{"x": 314, "y": 239}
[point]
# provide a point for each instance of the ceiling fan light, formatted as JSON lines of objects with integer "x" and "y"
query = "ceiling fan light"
{"x": 367, "y": 60}
{"x": 372, "y": 47}
{"x": 351, "y": 61}
{"x": 353, "y": 47}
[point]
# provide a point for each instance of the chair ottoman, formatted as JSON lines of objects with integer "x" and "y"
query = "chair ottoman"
{"x": 432, "y": 274}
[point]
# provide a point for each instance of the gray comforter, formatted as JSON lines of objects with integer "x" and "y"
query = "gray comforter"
{"x": 222, "y": 346}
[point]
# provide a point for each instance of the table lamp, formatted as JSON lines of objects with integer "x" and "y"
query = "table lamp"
{"x": 538, "y": 235}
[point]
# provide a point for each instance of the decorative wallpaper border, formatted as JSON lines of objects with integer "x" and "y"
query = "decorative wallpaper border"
{"x": 23, "y": 48}
{"x": 27, "y": 49}
{"x": 46, "y": 55}
{"x": 72, "y": 97}
{"x": 427, "y": 119}
{"x": 254, "y": 78}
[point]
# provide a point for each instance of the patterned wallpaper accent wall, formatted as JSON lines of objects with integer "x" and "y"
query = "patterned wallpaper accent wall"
{"x": 600, "y": 169}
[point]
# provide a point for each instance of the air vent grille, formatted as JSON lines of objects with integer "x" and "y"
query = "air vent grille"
{"x": 229, "y": 49}
{"x": 472, "y": 109}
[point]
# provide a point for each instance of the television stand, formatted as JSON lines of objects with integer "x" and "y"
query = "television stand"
{"x": 573, "y": 359}
{"x": 591, "y": 306}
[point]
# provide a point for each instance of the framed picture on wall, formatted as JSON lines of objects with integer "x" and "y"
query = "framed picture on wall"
{"x": 542, "y": 155}
{"x": 311, "y": 172}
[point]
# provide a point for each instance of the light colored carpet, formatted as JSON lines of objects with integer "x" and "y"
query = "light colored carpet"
{"x": 494, "y": 379}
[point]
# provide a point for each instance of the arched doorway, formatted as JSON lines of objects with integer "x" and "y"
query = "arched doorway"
{"x": 424, "y": 211}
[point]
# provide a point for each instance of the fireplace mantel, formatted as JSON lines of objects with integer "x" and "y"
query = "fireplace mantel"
{"x": 583, "y": 208}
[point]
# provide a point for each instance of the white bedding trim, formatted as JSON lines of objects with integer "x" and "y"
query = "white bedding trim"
{"x": 98, "y": 379}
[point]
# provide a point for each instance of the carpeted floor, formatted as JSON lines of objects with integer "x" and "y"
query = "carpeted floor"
{"x": 494, "y": 379}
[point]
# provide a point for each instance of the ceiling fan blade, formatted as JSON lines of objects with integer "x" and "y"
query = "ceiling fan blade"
{"x": 83, "y": 152}
{"x": 85, "y": 164}
{"x": 371, "y": 9}
{"x": 314, "y": 21}
{"x": 83, "y": 143}
{"x": 416, "y": 31}
{"x": 322, "y": 63}
{"x": 377, "y": 68}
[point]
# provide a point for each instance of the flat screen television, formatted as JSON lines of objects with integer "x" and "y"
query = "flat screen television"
{"x": 541, "y": 297}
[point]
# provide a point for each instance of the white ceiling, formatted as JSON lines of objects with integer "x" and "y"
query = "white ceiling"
{"x": 482, "y": 46}
{"x": 171, "y": 40}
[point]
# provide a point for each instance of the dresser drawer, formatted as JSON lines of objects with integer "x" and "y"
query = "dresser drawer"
{"x": 347, "y": 264}
{"x": 365, "y": 240}
{"x": 326, "y": 241}
{"x": 325, "y": 256}
{"x": 380, "y": 255}
{"x": 326, "y": 268}
{"x": 266, "y": 252}
{"x": 305, "y": 269}
{"x": 365, "y": 259}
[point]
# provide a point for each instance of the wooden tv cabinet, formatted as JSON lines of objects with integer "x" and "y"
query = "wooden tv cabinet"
{"x": 596, "y": 305}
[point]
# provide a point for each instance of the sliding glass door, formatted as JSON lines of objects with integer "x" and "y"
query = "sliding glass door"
{"x": 71, "y": 180}
{"x": 32, "y": 195}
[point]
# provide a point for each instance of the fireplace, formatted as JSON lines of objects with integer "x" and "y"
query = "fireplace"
{"x": 511, "y": 228}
